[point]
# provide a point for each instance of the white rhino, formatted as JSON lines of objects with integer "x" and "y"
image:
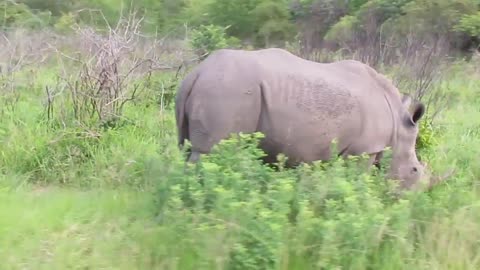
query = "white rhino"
{"x": 300, "y": 106}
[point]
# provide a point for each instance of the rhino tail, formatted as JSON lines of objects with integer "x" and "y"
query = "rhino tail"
{"x": 180, "y": 103}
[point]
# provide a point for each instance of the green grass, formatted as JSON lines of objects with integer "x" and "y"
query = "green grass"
{"x": 54, "y": 228}
{"x": 122, "y": 198}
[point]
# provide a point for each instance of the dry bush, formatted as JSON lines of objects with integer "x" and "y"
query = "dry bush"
{"x": 20, "y": 49}
{"x": 421, "y": 68}
{"x": 115, "y": 66}
{"x": 416, "y": 62}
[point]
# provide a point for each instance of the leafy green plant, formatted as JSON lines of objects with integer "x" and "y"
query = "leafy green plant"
{"x": 273, "y": 21}
{"x": 65, "y": 23}
{"x": 91, "y": 187}
{"x": 427, "y": 136}
{"x": 248, "y": 206}
{"x": 469, "y": 24}
{"x": 208, "y": 38}
{"x": 20, "y": 15}
{"x": 265, "y": 216}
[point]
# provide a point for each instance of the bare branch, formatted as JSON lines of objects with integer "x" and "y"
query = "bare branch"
{"x": 115, "y": 63}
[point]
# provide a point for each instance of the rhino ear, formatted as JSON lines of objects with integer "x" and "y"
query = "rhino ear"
{"x": 418, "y": 112}
{"x": 406, "y": 101}
{"x": 415, "y": 108}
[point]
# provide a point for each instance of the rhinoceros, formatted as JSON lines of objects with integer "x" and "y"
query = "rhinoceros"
{"x": 300, "y": 106}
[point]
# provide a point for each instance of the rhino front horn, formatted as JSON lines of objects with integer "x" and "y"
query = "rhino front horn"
{"x": 439, "y": 179}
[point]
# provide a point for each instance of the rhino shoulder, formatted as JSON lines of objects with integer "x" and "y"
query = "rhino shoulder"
{"x": 218, "y": 55}
{"x": 275, "y": 51}
{"x": 383, "y": 81}
{"x": 351, "y": 65}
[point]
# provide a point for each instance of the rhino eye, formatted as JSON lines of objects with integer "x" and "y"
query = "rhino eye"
{"x": 414, "y": 169}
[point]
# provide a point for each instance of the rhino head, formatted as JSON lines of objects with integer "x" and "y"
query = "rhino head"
{"x": 405, "y": 165}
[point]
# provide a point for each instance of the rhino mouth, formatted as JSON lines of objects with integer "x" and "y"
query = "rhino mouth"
{"x": 427, "y": 181}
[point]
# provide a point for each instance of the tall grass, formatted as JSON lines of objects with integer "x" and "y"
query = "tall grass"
{"x": 77, "y": 196}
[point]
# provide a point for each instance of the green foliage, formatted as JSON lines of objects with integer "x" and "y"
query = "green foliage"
{"x": 162, "y": 89}
{"x": 433, "y": 16}
{"x": 428, "y": 136}
{"x": 388, "y": 9}
{"x": 208, "y": 38}
{"x": 19, "y": 15}
{"x": 470, "y": 24}
{"x": 65, "y": 23}
{"x": 266, "y": 20}
{"x": 235, "y": 14}
{"x": 364, "y": 16}
{"x": 161, "y": 15}
{"x": 233, "y": 195}
{"x": 395, "y": 19}
{"x": 354, "y": 5}
{"x": 273, "y": 21}
{"x": 49, "y": 154}
{"x": 57, "y": 8}
{"x": 122, "y": 197}
{"x": 196, "y": 13}
{"x": 344, "y": 30}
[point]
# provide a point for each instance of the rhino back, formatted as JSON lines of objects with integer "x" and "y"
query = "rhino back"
{"x": 307, "y": 105}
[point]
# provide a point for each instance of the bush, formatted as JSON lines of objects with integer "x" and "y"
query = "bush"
{"x": 427, "y": 136}
{"x": 470, "y": 24}
{"x": 65, "y": 23}
{"x": 325, "y": 215}
{"x": 272, "y": 21}
{"x": 208, "y": 38}
{"x": 19, "y": 15}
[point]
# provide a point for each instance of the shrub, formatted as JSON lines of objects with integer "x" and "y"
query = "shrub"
{"x": 427, "y": 136}
{"x": 470, "y": 24}
{"x": 273, "y": 21}
{"x": 208, "y": 38}
{"x": 19, "y": 15}
{"x": 106, "y": 73}
{"x": 325, "y": 215}
{"x": 65, "y": 23}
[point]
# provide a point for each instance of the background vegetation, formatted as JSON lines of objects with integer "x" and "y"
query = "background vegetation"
{"x": 91, "y": 176}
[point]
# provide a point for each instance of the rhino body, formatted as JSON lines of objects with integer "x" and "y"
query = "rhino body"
{"x": 300, "y": 106}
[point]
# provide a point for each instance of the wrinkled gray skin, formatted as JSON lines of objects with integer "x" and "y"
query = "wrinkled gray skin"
{"x": 301, "y": 106}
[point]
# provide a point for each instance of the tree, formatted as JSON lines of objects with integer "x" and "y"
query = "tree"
{"x": 20, "y": 15}
{"x": 54, "y": 6}
{"x": 314, "y": 18}
{"x": 470, "y": 24}
{"x": 236, "y": 14}
{"x": 272, "y": 20}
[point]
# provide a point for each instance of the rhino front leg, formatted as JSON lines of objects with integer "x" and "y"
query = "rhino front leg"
{"x": 378, "y": 158}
